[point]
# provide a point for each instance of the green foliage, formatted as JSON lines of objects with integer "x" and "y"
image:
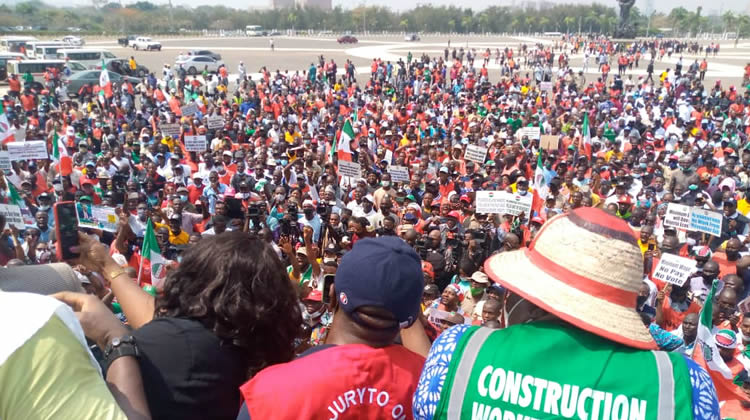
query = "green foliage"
{"x": 146, "y": 16}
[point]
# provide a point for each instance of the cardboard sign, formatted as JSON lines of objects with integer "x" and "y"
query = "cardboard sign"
{"x": 693, "y": 219}
{"x": 399, "y": 173}
{"x": 189, "y": 109}
{"x": 351, "y": 169}
{"x": 214, "y": 122}
{"x": 13, "y": 216}
{"x": 706, "y": 221}
{"x": 475, "y": 153}
{"x": 545, "y": 86}
{"x": 501, "y": 202}
{"x": 549, "y": 142}
{"x": 677, "y": 216}
{"x": 674, "y": 269}
{"x": 196, "y": 143}
{"x": 533, "y": 133}
{"x": 96, "y": 217}
{"x": 4, "y": 161}
{"x": 388, "y": 156}
{"x": 171, "y": 130}
{"x": 35, "y": 149}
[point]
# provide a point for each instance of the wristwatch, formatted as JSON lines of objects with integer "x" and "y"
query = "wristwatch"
{"x": 119, "y": 347}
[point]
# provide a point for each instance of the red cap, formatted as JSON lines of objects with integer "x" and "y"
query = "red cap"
{"x": 455, "y": 214}
{"x": 465, "y": 198}
{"x": 315, "y": 295}
{"x": 537, "y": 219}
{"x": 624, "y": 198}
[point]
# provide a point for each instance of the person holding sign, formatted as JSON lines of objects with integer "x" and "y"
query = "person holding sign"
{"x": 581, "y": 303}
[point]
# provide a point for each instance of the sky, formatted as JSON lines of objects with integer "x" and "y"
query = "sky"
{"x": 660, "y": 5}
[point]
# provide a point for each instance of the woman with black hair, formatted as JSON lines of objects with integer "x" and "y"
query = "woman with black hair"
{"x": 224, "y": 313}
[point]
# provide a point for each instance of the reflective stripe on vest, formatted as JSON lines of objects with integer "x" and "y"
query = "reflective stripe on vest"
{"x": 555, "y": 371}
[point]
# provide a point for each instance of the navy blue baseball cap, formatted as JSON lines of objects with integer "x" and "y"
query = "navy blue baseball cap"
{"x": 383, "y": 272}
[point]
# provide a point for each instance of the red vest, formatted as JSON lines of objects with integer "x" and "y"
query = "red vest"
{"x": 353, "y": 381}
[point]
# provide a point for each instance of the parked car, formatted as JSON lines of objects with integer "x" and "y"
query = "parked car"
{"x": 347, "y": 39}
{"x": 77, "y": 80}
{"x": 73, "y": 40}
{"x": 126, "y": 41}
{"x": 146, "y": 43}
{"x": 411, "y": 37}
{"x": 122, "y": 66}
{"x": 208, "y": 53}
{"x": 195, "y": 64}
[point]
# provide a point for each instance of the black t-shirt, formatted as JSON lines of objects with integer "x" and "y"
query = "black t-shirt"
{"x": 188, "y": 373}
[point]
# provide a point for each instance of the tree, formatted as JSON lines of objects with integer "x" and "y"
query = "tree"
{"x": 143, "y": 6}
{"x": 26, "y": 8}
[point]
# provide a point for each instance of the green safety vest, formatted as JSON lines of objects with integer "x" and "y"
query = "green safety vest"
{"x": 548, "y": 370}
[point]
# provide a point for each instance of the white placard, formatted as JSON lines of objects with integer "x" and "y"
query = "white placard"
{"x": 189, "y": 109}
{"x": 214, "y": 122}
{"x": 388, "y": 156}
{"x": 674, "y": 269}
{"x": 533, "y": 133}
{"x": 96, "y": 217}
{"x": 195, "y": 143}
{"x": 475, "y": 153}
{"x": 13, "y": 216}
{"x": 351, "y": 169}
{"x": 501, "y": 202}
{"x": 677, "y": 216}
{"x": 545, "y": 86}
{"x": 171, "y": 130}
{"x": 694, "y": 219}
{"x": 35, "y": 149}
{"x": 399, "y": 173}
{"x": 706, "y": 221}
{"x": 4, "y": 161}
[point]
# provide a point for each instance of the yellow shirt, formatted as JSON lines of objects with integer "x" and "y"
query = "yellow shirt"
{"x": 51, "y": 377}
{"x": 180, "y": 239}
{"x": 743, "y": 206}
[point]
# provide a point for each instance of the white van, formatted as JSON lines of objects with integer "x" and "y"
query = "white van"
{"x": 4, "y": 58}
{"x": 14, "y": 43}
{"x": 45, "y": 50}
{"x": 89, "y": 57}
{"x": 37, "y": 68}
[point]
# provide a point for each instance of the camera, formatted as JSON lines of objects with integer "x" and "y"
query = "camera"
{"x": 256, "y": 209}
{"x": 323, "y": 209}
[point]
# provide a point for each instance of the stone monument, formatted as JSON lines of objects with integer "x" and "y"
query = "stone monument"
{"x": 625, "y": 28}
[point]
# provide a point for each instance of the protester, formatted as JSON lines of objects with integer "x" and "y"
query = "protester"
{"x": 549, "y": 300}
{"x": 465, "y": 165}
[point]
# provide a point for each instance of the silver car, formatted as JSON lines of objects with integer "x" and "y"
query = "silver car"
{"x": 195, "y": 64}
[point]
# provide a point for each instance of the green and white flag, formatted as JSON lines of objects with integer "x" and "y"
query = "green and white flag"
{"x": 151, "y": 258}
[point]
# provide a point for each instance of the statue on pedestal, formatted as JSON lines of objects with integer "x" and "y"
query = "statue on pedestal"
{"x": 625, "y": 28}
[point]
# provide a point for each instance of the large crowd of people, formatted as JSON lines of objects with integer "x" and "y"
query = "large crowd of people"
{"x": 316, "y": 244}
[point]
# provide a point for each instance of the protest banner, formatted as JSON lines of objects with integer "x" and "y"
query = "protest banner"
{"x": 189, "y": 109}
{"x": 545, "y": 86}
{"x": 28, "y": 218}
{"x": 705, "y": 221}
{"x": 677, "y": 216}
{"x": 4, "y": 161}
{"x": 674, "y": 269}
{"x": 12, "y": 215}
{"x": 35, "y": 149}
{"x": 195, "y": 143}
{"x": 693, "y": 218}
{"x": 490, "y": 202}
{"x": 96, "y": 217}
{"x": 533, "y": 133}
{"x": 171, "y": 130}
{"x": 399, "y": 173}
{"x": 549, "y": 142}
{"x": 437, "y": 316}
{"x": 475, "y": 153}
{"x": 351, "y": 169}
{"x": 516, "y": 204}
{"x": 214, "y": 122}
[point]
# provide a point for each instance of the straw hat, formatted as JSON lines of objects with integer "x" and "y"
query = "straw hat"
{"x": 584, "y": 267}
